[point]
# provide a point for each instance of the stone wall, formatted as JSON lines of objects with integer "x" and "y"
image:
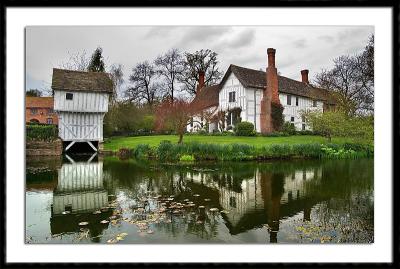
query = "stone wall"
{"x": 44, "y": 148}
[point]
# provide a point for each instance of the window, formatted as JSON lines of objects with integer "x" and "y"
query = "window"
{"x": 232, "y": 97}
{"x": 303, "y": 118}
{"x": 303, "y": 127}
{"x": 69, "y": 96}
{"x": 232, "y": 202}
{"x": 49, "y": 121}
{"x": 297, "y": 101}
{"x": 50, "y": 111}
{"x": 314, "y": 103}
{"x": 191, "y": 122}
{"x": 34, "y": 111}
{"x": 292, "y": 119}
{"x": 289, "y": 100}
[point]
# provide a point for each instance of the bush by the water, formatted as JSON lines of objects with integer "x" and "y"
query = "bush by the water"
{"x": 186, "y": 158}
{"x": 167, "y": 151}
{"x": 245, "y": 128}
{"x": 41, "y": 132}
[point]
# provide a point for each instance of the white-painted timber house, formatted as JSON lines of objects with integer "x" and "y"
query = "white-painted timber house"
{"x": 81, "y": 101}
{"x": 240, "y": 96}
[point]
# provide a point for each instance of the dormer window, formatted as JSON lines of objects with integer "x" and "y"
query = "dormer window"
{"x": 69, "y": 96}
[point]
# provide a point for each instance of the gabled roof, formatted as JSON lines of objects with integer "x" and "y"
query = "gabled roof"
{"x": 206, "y": 97}
{"x": 257, "y": 79}
{"x": 39, "y": 102}
{"x": 81, "y": 81}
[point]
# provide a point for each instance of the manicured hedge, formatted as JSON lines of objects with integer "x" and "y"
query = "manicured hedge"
{"x": 41, "y": 132}
{"x": 245, "y": 128}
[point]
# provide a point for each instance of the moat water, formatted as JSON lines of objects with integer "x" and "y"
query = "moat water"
{"x": 78, "y": 199}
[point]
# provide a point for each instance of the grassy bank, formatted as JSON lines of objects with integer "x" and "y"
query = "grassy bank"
{"x": 116, "y": 143}
{"x": 228, "y": 148}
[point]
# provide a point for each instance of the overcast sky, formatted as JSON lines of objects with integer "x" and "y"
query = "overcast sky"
{"x": 297, "y": 47}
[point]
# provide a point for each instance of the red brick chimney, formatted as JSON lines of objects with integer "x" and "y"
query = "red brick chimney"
{"x": 201, "y": 81}
{"x": 304, "y": 76}
{"x": 270, "y": 93}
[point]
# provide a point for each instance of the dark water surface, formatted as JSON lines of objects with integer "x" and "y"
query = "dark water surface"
{"x": 106, "y": 200}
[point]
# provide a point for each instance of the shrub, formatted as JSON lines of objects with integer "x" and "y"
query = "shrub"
{"x": 305, "y": 132}
{"x": 124, "y": 153}
{"x": 277, "y": 115}
{"x": 186, "y": 158}
{"x": 143, "y": 151}
{"x": 41, "y": 132}
{"x": 245, "y": 128}
{"x": 289, "y": 128}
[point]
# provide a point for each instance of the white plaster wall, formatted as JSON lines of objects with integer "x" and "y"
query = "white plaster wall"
{"x": 304, "y": 104}
{"x": 81, "y": 102}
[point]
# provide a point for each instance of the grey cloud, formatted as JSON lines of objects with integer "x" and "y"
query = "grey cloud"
{"x": 243, "y": 39}
{"x": 203, "y": 33}
{"x": 300, "y": 43}
{"x": 326, "y": 38}
{"x": 160, "y": 31}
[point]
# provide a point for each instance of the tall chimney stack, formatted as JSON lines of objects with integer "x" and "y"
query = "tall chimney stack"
{"x": 271, "y": 57}
{"x": 201, "y": 80}
{"x": 304, "y": 76}
{"x": 270, "y": 93}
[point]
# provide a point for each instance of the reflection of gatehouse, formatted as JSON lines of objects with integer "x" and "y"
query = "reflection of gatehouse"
{"x": 79, "y": 193}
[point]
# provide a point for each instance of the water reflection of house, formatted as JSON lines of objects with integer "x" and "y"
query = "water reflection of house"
{"x": 263, "y": 198}
{"x": 79, "y": 191}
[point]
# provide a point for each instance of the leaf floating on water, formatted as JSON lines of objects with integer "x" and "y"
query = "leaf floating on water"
{"x": 225, "y": 211}
{"x": 65, "y": 212}
{"x": 83, "y": 223}
{"x": 196, "y": 195}
{"x": 186, "y": 200}
{"x": 201, "y": 206}
{"x": 214, "y": 209}
{"x": 96, "y": 212}
{"x": 207, "y": 200}
{"x": 104, "y": 221}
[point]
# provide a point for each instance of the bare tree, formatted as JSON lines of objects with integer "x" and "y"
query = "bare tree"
{"x": 77, "y": 61}
{"x": 117, "y": 76}
{"x": 203, "y": 60}
{"x": 169, "y": 67}
{"x": 352, "y": 81}
{"x": 144, "y": 86}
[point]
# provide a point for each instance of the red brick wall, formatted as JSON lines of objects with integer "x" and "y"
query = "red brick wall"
{"x": 42, "y": 114}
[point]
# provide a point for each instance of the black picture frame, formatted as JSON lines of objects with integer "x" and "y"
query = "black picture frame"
{"x": 208, "y": 3}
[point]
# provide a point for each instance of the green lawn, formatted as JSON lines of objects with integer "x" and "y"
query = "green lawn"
{"x": 116, "y": 143}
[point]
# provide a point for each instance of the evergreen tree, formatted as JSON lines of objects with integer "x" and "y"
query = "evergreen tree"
{"x": 96, "y": 63}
